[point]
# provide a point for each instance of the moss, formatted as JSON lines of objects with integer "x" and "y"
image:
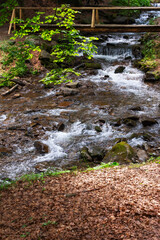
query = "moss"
{"x": 93, "y": 65}
{"x": 121, "y": 152}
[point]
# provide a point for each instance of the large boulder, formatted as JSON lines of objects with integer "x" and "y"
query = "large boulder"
{"x": 119, "y": 69}
{"x": 121, "y": 152}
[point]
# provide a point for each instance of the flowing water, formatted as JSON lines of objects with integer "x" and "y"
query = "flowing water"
{"x": 105, "y": 97}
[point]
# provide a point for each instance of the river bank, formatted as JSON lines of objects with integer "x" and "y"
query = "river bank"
{"x": 45, "y": 128}
{"x": 89, "y": 205}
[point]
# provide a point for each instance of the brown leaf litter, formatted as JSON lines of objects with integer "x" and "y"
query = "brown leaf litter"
{"x": 109, "y": 204}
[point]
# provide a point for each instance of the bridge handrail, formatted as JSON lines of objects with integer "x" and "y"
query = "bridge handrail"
{"x": 95, "y": 12}
{"x": 98, "y": 8}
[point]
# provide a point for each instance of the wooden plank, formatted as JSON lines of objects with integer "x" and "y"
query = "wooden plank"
{"x": 119, "y": 28}
{"x": 93, "y": 18}
{"x": 20, "y": 13}
{"x": 99, "y": 8}
{"x": 14, "y": 25}
{"x": 97, "y": 16}
{"x": 10, "y": 25}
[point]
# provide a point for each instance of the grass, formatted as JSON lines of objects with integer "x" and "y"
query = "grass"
{"x": 49, "y": 223}
{"x": 31, "y": 178}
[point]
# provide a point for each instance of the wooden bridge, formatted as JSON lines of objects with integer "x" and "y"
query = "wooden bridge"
{"x": 95, "y": 25}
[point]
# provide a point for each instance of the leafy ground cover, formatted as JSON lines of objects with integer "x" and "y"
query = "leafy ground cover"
{"x": 84, "y": 205}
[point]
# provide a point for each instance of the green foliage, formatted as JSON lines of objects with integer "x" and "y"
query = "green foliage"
{"x": 147, "y": 63}
{"x": 70, "y": 42}
{"x": 6, "y": 9}
{"x": 149, "y": 52}
{"x": 149, "y": 49}
{"x": 49, "y": 223}
{"x": 132, "y": 3}
{"x": 102, "y": 166}
{"x": 25, "y": 235}
{"x": 15, "y": 57}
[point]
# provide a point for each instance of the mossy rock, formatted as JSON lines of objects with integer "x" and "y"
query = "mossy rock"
{"x": 93, "y": 65}
{"x": 121, "y": 152}
{"x": 85, "y": 155}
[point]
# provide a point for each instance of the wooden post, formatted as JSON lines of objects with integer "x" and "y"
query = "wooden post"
{"x": 97, "y": 16}
{"x": 14, "y": 25}
{"x": 93, "y": 19}
{"x": 10, "y": 25}
{"x": 20, "y": 13}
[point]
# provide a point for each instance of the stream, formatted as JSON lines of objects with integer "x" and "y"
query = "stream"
{"x": 117, "y": 103}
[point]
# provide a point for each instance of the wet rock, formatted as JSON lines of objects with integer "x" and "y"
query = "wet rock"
{"x": 148, "y": 122}
{"x": 147, "y": 136}
{"x": 121, "y": 152}
{"x": 4, "y": 151}
{"x": 102, "y": 121}
{"x": 117, "y": 122}
{"x": 150, "y": 77}
{"x": 98, "y": 129}
{"x": 136, "y": 108}
{"x": 142, "y": 155}
{"x": 61, "y": 126}
{"x": 137, "y": 51}
{"x": 84, "y": 154}
{"x": 34, "y": 40}
{"x": 29, "y": 132}
{"x": 128, "y": 58}
{"x": 41, "y": 148}
{"x": 119, "y": 69}
{"x": 93, "y": 72}
{"x": 88, "y": 126}
{"x": 47, "y": 46}
{"x": 93, "y": 65}
{"x": 105, "y": 77}
{"x": 97, "y": 154}
{"x": 68, "y": 91}
{"x": 16, "y": 127}
{"x": 126, "y": 37}
{"x": 17, "y": 95}
{"x": 44, "y": 55}
{"x": 47, "y": 60}
{"x": 73, "y": 85}
{"x": 135, "y": 135}
{"x": 130, "y": 121}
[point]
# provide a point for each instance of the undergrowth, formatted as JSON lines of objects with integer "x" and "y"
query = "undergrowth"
{"x": 150, "y": 51}
{"x": 33, "y": 177}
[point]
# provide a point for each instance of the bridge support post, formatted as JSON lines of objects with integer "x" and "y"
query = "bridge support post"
{"x": 93, "y": 19}
{"x": 10, "y": 25}
{"x": 14, "y": 15}
{"x": 20, "y": 13}
{"x": 97, "y": 16}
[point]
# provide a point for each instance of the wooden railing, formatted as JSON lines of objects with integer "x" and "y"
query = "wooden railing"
{"x": 95, "y": 19}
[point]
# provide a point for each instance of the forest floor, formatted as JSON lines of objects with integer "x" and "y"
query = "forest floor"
{"x": 109, "y": 204}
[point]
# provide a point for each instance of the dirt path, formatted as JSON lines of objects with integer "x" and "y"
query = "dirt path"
{"x": 115, "y": 204}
